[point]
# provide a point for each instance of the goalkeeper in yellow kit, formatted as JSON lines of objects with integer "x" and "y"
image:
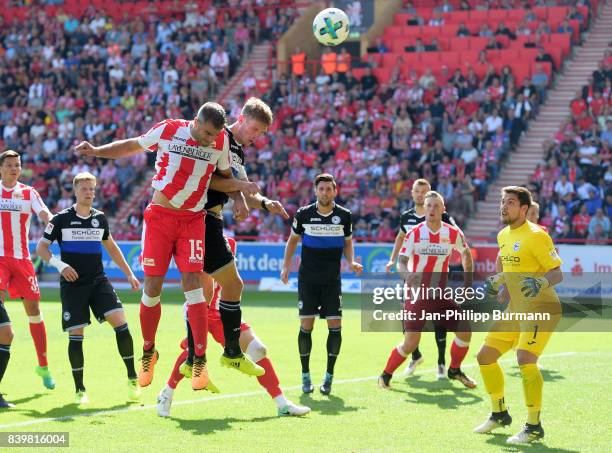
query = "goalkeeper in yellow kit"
{"x": 528, "y": 267}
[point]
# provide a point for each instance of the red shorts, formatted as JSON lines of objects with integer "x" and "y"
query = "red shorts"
{"x": 436, "y": 309}
{"x": 19, "y": 278}
{"x": 215, "y": 326}
{"x": 171, "y": 233}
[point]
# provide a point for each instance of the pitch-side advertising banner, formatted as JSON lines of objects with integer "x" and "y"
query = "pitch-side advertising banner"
{"x": 258, "y": 260}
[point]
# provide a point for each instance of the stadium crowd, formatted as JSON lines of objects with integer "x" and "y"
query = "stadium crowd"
{"x": 574, "y": 183}
{"x": 454, "y": 129}
{"x": 68, "y": 78}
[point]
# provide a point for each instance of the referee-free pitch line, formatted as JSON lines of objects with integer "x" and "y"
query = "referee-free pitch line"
{"x": 235, "y": 395}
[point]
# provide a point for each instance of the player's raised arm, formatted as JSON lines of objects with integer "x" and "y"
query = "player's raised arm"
{"x": 114, "y": 150}
{"x": 117, "y": 256}
{"x": 229, "y": 184}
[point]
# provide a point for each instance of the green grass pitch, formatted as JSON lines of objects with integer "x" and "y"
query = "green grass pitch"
{"x": 420, "y": 414}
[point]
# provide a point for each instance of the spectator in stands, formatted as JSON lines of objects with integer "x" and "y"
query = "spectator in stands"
{"x": 599, "y": 219}
{"x": 565, "y": 27}
{"x": 485, "y": 31}
{"x": 436, "y": 20}
{"x": 219, "y": 63}
{"x": 540, "y": 81}
{"x": 580, "y": 222}
{"x": 503, "y": 30}
{"x": 543, "y": 56}
{"x": 463, "y": 30}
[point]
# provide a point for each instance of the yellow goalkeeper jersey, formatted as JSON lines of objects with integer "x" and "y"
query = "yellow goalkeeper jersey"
{"x": 527, "y": 251}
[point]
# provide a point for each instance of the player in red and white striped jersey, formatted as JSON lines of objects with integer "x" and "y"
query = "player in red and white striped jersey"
{"x": 424, "y": 258}
{"x": 188, "y": 154}
{"x": 17, "y": 275}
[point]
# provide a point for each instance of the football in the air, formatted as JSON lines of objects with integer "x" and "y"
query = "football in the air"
{"x": 331, "y": 27}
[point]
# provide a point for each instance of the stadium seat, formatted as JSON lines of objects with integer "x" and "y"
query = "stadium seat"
{"x": 430, "y": 59}
{"x": 479, "y": 16}
{"x": 382, "y": 74}
{"x": 497, "y": 15}
{"x": 450, "y": 59}
{"x": 478, "y": 43}
{"x": 528, "y": 54}
{"x": 459, "y": 44}
{"x": 516, "y": 15}
{"x": 469, "y": 56}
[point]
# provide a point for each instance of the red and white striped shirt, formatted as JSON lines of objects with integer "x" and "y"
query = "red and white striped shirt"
{"x": 184, "y": 167}
{"x": 430, "y": 251}
{"x": 16, "y": 208}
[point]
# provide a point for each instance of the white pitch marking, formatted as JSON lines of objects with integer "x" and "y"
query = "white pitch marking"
{"x": 222, "y": 397}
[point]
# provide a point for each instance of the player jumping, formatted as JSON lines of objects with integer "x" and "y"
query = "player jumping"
{"x": 528, "y": 267}
{"x": 425, "y": 251}
{"x": 17, "y": 275}
{"x": 81, "y": 231}
{"x": 249, "y": 343}
{"x": 188, "y": 152}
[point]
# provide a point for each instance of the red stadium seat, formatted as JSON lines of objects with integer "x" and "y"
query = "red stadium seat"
{"x": 516, "y": 15}
{"x": 401, "y": 19}
{"x": 562, "y": 41}
{"x": 456, "y": 17}
{"x": 479, "y": 16}
{"x": 478, "y": 43}
{"x": 497, "y": 15}
{"x": 555, "y": 52}
{"x": 382, "y": 74}
{"x": 358, "y": 72}
{"x": 528, "y": 54}
{"x": 459, "y": 44}
{"x": 450, "y": 58}
{"x": 430, "y": 59}
{"x": 469, "y": 56}
{"x": 541, "y": 12}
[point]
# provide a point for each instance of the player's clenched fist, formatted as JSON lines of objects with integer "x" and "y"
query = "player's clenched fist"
{"x": 86, "y": 149}
{"x": 70, "y": 274}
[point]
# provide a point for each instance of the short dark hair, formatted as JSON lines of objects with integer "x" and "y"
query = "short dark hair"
{"x": 258, "y": 110}
{"x": 213, "y": 113}
{"x": 325, "y": 177}
{"x": 522, "y": 193}
{"x": 6, "y": 154}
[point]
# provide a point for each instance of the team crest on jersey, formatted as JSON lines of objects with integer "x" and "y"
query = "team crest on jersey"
{"x": 300, "y": 305}
{"x": 49, "y": 228}
{"x": 66, "y": 316}
{"x": 335, "y": 220}
{"x": 554, "y": 254}
{"x": 95, "y": 223}
{"x": 445, "y": 240}
{"x": 17, "y": 195}
{"x": 516, "y": 246}
{"x": 295, "y": 223}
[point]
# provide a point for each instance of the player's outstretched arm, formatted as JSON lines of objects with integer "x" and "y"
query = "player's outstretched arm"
{"x": 228, "y": 184}
{"x": 114, "y": 150}
{"x": 349, "y": 254}
{"x": 290, "y": 248}
{"x": 115, "y": 253}
{"x": 399, "y": 239}
{"x": 42, "y": 250}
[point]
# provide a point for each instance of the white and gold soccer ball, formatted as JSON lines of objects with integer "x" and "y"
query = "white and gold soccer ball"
{"x": 331, "y": 27}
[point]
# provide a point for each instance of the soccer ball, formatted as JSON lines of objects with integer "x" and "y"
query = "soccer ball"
{"x": 331, "y": 27}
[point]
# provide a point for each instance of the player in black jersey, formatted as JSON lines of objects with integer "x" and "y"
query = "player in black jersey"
{"x": 325, "y": 229}
{"x": 408, "y": 220}
{"x": 81, "y": 231}
{"x": 254, "y": 120}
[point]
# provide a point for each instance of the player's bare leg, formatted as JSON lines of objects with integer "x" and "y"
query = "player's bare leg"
{"x": 150, "y": 314}
{"x": 6, "y": 338}
{"x": 305, "y": 347}
{"x": 458, "y": 351}
{"x": 493, "y": 378}
{"x": 398, "y": 356}
{"x": 125, "y": 345}
{"x": 197, "y": 315}
{"x": 39, "y": 336}
{"x": 231, "y": 315}
{"x": 334, "y": 341}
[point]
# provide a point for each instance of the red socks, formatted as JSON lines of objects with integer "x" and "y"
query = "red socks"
{"x": 197, "y": 314}
{"x": 149, "y": 320}
{"x": 458, "y": 351}
{"x": 176, "y": 377}
{"x": 395, "y": 360}
{"x": 39, "y": 335}
{"x": 269, "y": 380}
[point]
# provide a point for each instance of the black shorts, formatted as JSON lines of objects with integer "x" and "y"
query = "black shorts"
{"x": 100, "y": 296}
{"x": 322, "y": 300}
{"x": 4, "y": 317}
{"x": 217, "y": 251}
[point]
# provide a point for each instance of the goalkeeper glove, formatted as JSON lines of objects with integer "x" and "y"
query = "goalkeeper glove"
{"x": 492, "y": 284}
{"x": 531, "y": 286}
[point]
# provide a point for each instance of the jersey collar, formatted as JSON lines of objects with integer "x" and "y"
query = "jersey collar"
{"x": 80, "y": 216}
{"x": 7, "y": 189}
{"x": 325, "y": 215}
